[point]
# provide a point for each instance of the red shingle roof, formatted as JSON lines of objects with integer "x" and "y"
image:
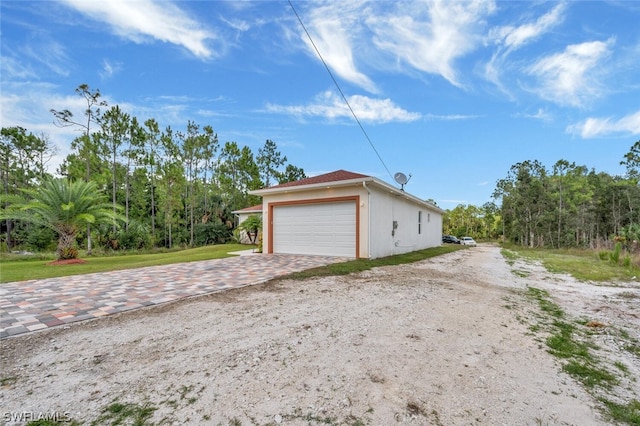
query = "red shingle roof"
{"x": 336, "y": 176}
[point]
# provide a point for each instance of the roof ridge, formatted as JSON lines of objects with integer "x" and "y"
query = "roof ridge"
{"x": 335, "y": 176}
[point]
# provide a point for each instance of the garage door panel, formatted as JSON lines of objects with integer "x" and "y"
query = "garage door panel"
{"x": 321, "y": 229}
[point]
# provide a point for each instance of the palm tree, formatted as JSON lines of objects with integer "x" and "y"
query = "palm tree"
{"x": 252, "y": 226}
{"x": 65, "y": 207}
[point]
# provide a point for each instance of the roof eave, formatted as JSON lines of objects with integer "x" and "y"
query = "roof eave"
{"x": 246, "y": 211}
{"x": 348, "y": 182}
{"x": 401, "y": 193}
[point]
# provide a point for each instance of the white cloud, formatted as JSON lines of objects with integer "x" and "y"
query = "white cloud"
{"x": 541, "y": 114}
{"x": 331, "y": 105}
{"x": 237, "y": 24}
{"x": 510, "y": 38}
{"x": 144, "y": 19}
{"x": 493, "y": 73}
{"x": 426, "y": 36}
{"x": 571, "y": 77}
{"x": 430, "y": 36}
{"x": 449, "y": 117}
{"x": 13, "y": 69}
{"x": 594, "y": 127}
{"x": 333, "y": 30}
{"x": 513, "y": 37}
{"x": 109, "y": 69}
{"x": 51, "y": 54}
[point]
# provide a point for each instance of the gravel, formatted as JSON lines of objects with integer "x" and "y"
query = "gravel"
{"x": 443, "y": 341}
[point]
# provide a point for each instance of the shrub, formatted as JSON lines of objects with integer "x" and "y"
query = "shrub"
{"x": 236, "y": 237}
{"x": 41, "y": 239}
{"x": 109, "y": 240}
{"x": 211, "y": 233}
{"x": 614, "y": 256}
{"x": 136, "y": 238}
{"x": 67, "y": 253}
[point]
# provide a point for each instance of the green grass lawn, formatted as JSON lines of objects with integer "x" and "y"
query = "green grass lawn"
{"x": 582, "y": 264}
{"x": 28, "y": 269}
{"x": 358, "y": 265}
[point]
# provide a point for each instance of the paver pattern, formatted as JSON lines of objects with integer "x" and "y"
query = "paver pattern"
{"x": 28, "y": 306}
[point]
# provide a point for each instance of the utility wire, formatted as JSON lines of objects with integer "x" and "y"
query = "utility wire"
{"x": 340, "y": 90}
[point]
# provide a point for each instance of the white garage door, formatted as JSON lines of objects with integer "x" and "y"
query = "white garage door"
{"x": 327, "y": 229}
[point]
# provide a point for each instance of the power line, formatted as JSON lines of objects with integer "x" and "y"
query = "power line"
{"x": 340, "y": 90}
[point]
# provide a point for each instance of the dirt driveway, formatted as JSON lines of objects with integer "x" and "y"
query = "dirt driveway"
{"x": 443, "y": 341}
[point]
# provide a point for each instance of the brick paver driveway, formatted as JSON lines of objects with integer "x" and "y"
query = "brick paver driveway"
{"x": 28, "y": 306}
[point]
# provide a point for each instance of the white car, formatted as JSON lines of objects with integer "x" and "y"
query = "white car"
{"x": 468, "y": 241}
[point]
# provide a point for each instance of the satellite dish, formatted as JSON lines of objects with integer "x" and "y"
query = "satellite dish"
{"x": 402, "y": 179}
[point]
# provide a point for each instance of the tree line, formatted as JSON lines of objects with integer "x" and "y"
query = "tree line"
{"x": 568, "y": 205}
{"x": 179, "y": 187}
{"x": 171, "y": 187}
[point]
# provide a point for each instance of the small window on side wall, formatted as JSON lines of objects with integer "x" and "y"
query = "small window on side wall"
{"x": 419, "y": 221}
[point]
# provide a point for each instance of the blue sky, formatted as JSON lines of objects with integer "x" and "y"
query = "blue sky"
{"x": 453, "y": 93}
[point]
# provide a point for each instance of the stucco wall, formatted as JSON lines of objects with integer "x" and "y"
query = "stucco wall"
{"x": 388, "y": 208}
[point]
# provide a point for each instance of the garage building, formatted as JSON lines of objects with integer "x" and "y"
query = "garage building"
{"x": 346, "y": 214}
